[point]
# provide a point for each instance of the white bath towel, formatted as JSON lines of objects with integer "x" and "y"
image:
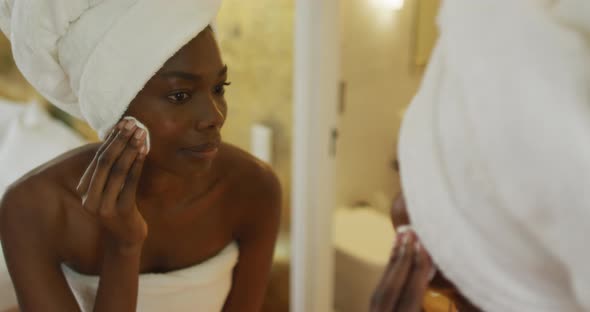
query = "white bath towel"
{"x": 29, "y": 139}
{"x": 92, "y": 57}
{"x": 203, "y": 287}
{"x": 495, "y": 153}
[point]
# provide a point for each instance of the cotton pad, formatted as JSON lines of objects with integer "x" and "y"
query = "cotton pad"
{"x": 142, "y": 126}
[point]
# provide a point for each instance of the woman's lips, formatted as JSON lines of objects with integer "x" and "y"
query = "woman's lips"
{"x": 203, "y": 151}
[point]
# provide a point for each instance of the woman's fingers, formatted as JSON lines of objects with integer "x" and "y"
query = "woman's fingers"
{"x": 119, "y": 173}
{"x": 381, "y": 299}
{"x": 129, "y": 191}
{"x": 392, "y": 283}
{"x": 398, "y": 276}
{"x": 417, "y": 282}
{"x": 104, "y": 163}
{"x": 84, "y": 183}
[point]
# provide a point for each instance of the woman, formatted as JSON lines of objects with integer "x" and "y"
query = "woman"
{"x": 494, "y": 156}
{"x": 192, "y": 224}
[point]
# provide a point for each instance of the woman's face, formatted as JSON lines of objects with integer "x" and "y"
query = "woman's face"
{"x": 184, "y": 108}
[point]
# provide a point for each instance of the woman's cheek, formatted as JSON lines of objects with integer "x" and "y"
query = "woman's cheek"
{"x": 170, "y": 127}
{"x": 164, "y": 131}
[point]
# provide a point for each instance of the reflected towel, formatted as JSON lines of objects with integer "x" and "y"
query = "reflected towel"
{"x": 495, "y": 154}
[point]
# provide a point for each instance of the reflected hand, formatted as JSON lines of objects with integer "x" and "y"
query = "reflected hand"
{"x": 405, "y": 281}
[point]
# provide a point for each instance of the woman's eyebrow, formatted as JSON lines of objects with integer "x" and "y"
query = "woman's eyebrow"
{"x": 186, "y": 75}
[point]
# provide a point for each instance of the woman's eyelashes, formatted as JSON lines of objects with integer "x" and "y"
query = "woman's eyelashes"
{"x": 220, "y": 88}
{"x": 179, "y": 97}
{"x": 183, "y": 96}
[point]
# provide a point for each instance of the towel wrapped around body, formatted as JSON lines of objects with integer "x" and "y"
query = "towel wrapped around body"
{"x": 203, "y": 287}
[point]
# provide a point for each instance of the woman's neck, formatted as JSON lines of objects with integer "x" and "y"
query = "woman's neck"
{"x": 158, "y": 183}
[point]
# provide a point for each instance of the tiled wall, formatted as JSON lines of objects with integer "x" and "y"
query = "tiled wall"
{"x": 256, "y": 39}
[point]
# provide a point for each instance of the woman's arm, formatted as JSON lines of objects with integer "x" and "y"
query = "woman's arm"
{"x": 31, "y": 237}
{"x": 108, "y": 190}
{"x": 256, "y": 239}
{"x": 29, "y": 240}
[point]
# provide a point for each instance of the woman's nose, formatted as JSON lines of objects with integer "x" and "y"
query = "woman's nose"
{"x": 209, "y": 115}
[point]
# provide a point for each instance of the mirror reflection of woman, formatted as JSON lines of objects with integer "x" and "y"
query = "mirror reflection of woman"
{"x": 501, "y": 209}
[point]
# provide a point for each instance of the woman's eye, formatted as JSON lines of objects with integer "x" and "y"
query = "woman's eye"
{"x": 220, "y": 88}
{"x": 179, "y": 97}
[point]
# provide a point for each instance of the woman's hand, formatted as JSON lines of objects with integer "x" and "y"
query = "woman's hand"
{"x": 109, "y": 185}
{"x": 406, "y": 277}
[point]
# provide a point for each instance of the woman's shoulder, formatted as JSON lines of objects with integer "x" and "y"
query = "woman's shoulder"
{"x": 254, "y": 188}
{"x": 36, "y": 198}
{"x": 246, "y": 171}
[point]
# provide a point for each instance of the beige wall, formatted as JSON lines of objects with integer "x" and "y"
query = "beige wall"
{"x": 378, "y": 68}
{"x": 256, "y": 39}
{"x": 13, "y": 85}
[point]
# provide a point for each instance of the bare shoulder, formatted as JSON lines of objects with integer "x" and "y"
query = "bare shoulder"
{"x": 248, "y": 173}
{"x": 33, "y": 205}
{"x": 28, "y": 207}
{"x": 253, "y": 184}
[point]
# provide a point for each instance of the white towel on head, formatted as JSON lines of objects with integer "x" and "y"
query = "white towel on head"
{"x": 92, "y": 57}
{"x": 494, "y": 153}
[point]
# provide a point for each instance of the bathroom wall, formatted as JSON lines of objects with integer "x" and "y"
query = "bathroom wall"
{"x": 256, "y": 39}
{"x": 381, "y": 76}
{"x": 13, "y": 85}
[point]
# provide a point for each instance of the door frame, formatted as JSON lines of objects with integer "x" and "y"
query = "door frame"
{"x": 315, "y": 109}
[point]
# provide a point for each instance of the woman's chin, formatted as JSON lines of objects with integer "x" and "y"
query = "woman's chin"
{"x": 196, "y": 166}
{"x": 182, "y": 166}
